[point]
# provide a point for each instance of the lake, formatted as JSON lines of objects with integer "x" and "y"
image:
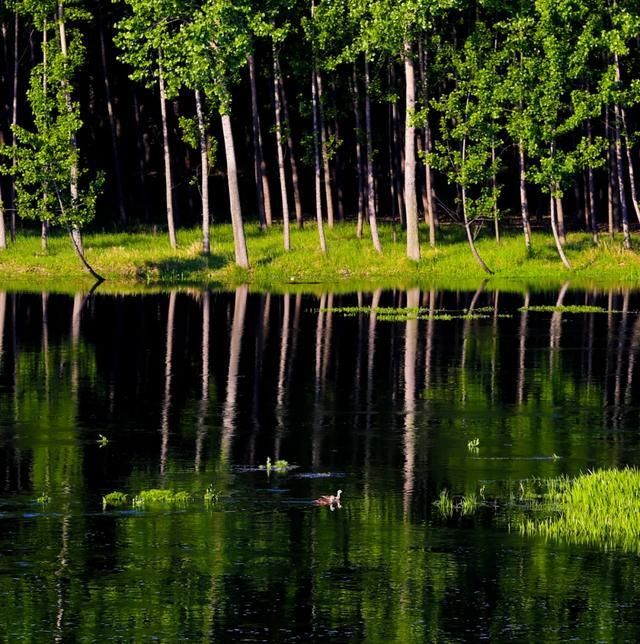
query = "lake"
{"x": 390, "y": 396}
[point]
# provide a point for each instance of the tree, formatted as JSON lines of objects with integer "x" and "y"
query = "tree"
{"x": 50, "y": 185}
{"x": 147, "y": 38}
{"x": 470, "y": 134}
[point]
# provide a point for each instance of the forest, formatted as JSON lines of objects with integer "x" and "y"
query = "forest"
{"x": 163, "y": 114}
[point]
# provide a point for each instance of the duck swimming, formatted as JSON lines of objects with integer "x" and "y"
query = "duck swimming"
{"x": 331, "y": 500}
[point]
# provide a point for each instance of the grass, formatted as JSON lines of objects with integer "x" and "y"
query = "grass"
{"x": 158, "y": 498}
{"x": 143, "y": 261}
{"x": 599, "y": 508}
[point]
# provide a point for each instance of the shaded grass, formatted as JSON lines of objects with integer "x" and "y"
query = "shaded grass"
{"x": 133, "y": 262}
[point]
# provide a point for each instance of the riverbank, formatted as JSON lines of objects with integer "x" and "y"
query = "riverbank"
{"x": 144, "y": 261}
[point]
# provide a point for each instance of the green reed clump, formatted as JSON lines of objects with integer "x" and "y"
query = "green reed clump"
{"x": 474, "y": 445}
{"x": 468, "y": 504}
{"x": 600, "y": 508}
{"x": 114, "y": 500}
{"x": 445, "y": 504}
{"x": 153, "y": 497}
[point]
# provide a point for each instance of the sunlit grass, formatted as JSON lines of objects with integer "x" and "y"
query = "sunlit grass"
{"x": 600, "y": 508}
{"x": 144, "y": 259}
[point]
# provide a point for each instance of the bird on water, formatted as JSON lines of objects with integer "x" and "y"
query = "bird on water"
{"x": 331, "y": 499}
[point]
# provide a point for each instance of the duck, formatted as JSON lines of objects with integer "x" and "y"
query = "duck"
{"x": 331, "y": 499}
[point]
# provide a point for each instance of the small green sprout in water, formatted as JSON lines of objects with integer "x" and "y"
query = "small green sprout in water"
{"x": 211, "y": 496}
{"x": 160, "y": 497}
{"x": 278, "y": 466}
{"x": 102, "y": 441}
{"x": 44, "y": 499}
{"x": 469, "y": 504}
{"x": 473, "y": 445}
{"x": 114, "y": 500}
{"x": 445, "y": 504}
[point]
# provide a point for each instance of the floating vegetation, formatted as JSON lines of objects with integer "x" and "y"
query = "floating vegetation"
{"x": 280, "y": 466}
{"x": 445, "y": 504}
{"x": 573, "y": 308}
{"x": 469, "y": 504}
{"x": 43, "y": 499}
{"x": 160, "y": 497}
{"x": 599, "y": 508}
{"x": 474, "y": 445}
{"x": 102, "y": 441}
{"x": 211, "y": 496}
{"x": 114, "y": 500}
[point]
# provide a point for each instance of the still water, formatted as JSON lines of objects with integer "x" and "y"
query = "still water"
{"x": 193, "y": 390}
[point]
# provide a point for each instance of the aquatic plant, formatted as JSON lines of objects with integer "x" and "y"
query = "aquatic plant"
{"x": 279, "y": 466}
{"x": 43, "y": 499}
{"x": 468, "y": 504}
{"x": 600, "y": 508}
{"x": 573, "y": 308}
{"x": 473, "y": 445}
{"x": 445, "y": 504}
{"x": 114, "y": 500}
{"x": 102, "y": 441}
{"x": 160, "y": 497}
{"x": 211, "y": 496}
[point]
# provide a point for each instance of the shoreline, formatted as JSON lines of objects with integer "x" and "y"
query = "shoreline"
{"x": 144, "y": 262}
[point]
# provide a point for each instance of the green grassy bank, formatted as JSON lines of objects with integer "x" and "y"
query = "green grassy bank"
{"x": 143, "y": 261}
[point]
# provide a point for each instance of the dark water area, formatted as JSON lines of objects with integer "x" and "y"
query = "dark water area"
{"x": 195, "y": 390}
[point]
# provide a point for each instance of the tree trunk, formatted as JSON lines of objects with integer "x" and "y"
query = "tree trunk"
{"x": 431, "y": 210}
{"x": 324, "y": 150}
{"x": 44, "y": 227}
{"x": 591, "y": 194}
{"x": 397, "y": 154}
{"x": 316, "y": 162}
{"x": 168, "y": 182}
{"x": 141, "y": 154}
{"x": 560, "y": 222}
{"x": 112, "y": 121}
{"x": 620, "y": 177}
{"x": 76, "y": 235}
{"x": 524, "y": 203}
{"x": 393, "y": 170}
{"x": 494, "y": 184}
{"x": 279, "y": 144}
{"x": 14, "y": 120}
{"x": 467, "y": 223}
{"x": 371, "y": 206}
{"x": 632, "y": 177}
{"x": 610, "y": 177}
{"x": 264, "y": 208}
{"x": 239, "y": 241}
{"x": 204, "y": 169}
{"x": 3, "y": 231}
{"x": 297, "y": 200}
{"x": 410, "y": 198}
{"x": 554, "y": 229}
{"x": 359, "y": 163}
{"x": 168, "y": 380}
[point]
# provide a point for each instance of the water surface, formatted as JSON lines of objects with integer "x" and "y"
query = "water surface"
{"x": 197, "y": 389}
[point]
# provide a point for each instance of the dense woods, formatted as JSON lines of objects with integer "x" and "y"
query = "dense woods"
{"x": 174, "y": 113}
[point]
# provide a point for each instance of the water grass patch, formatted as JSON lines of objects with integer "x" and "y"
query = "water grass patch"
{"x": 598, "y": 508}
